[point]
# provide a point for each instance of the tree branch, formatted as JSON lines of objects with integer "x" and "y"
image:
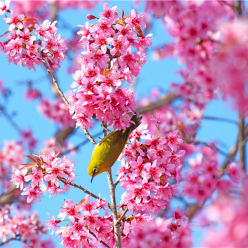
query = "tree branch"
{"x": 86, "y": 132}
{"x": 102, "y": 242}
{"x": 219, "y": 119}
{"x": 167, "y": 99}
{"x": 80, "y": 144}
{"x": 80, "y": 187}
{"x": 123, "y": 214}
{"x": 113, "y": 209}
{"x": 212, "y": 146}
{"x": 8, "y": 117}
{"x": 10, "y": 196}
{"x": 242, "y": 141}
{"x": 8, "y": 240}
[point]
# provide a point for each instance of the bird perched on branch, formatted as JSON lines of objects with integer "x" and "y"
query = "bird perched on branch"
{"x": 109, "y": 149}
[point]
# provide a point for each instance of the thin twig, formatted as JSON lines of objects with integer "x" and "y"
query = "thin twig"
{"x": 167, "y": 99}
{"x": 116, "y": 183}
{"x": 213, "y": 147}
{"x": 123, "y": 214}
{"x": 219, "y": 119}
{"x": 80, "y": 187}
{"x": 114, "y": 210}
{"x": 8, "y": 117}
{"x": 102, "y": 242}
{"x": 242, "y": 138}
{"x": 86, "y": 132}
{"x": 75, "y": 148}
{"x": 8, "y": 240}
{"x": 55, "y": 83}
{"x": 104, "y": 128}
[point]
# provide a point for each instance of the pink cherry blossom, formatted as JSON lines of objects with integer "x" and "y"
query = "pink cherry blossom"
{"x": 109, "y": 13}
{"x": 4, "y": 6}
{"x": 15, "y": 22}
{"x": 32, "y": 193}
{"x": 35, "y": 177}
{"x": 19, "y": 177}
{"x": 52, "y": 223}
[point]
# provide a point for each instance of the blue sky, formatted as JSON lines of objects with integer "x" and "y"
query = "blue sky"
{"x": 153, "y": 74}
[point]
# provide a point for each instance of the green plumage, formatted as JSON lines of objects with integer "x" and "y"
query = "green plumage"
{"x": 109, "y": 149}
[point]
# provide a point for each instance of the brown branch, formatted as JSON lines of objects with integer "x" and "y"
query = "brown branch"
{"x": 123, "y": 214}
{"x": 104, "y": 128}
{"x": 9, "y": 118}
{"x": 10, "y": 196}
{"x": 8, "y": 240}
{"x": 102, "y": 242}
{"x": 75, "y": 148}
{"x": 242, "y": 141}
{"x": 167, "y": 99}
{"x": 86, "y": 132}
{"x": 116, "y": 183}
{"x": 219, "y": 119}
{"x": 238, "y": 7}
{"x": 80, "y": 187}
{"x": 114, "y": 209}
{"x": 55, "y": 83}
{"x": 212, "y": 146}
{"x": 63, "y": 134}
{"x": 53, "y": 17}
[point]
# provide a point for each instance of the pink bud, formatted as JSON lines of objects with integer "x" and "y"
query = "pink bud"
{"x": 91, "y": 17}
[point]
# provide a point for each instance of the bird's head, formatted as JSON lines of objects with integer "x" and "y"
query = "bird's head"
{"x": 92, "y": 173}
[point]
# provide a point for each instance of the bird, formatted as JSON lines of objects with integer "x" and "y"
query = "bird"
{"x": 109, "y": 148}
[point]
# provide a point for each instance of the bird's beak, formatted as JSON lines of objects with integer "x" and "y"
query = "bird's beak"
{"x": 95, "y": 170}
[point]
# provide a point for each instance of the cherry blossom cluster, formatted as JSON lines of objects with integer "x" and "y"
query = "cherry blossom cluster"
{"x": 11, "y": 154}
{"x": 185, "y": 118}
{"x": 28, "y": 43}
{"x": 41, "y": 9}
{"x": 23, "y": 226}
{"x": 28, "y": 139}
{"x": 159, "y": 233}
{"x": 44, "y": 177}
{"x": 32, "y": 94}
{"x": 115, "y": 52}
{"x": 56, "y": 111}
{"x": 85, "y": 224}
{"x": 148, "y": 167}
{"x": 204, "y": 176}
{"x": 194, "y": 27}
{"x": 232, "y": 61}
{"x": 231, "y": 212}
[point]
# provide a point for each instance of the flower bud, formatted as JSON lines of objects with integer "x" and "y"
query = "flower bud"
{"x": 91, "y": 17}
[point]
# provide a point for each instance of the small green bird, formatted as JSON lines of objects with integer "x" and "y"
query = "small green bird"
{"x": 109, "y": 149}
